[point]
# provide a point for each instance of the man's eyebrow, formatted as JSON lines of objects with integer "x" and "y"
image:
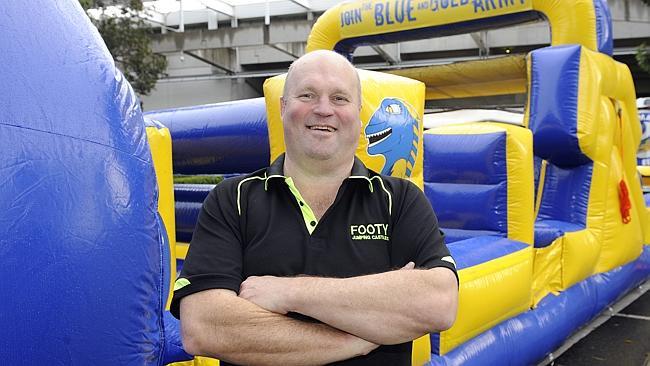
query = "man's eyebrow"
{"x": 302, "y": 89}
{"x": 341, "y": 91}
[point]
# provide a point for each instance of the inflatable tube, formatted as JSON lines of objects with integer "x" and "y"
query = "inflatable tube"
{"x": 187, "y": 213}
{"x": 189, "y": 199}
{"x": 219, "y": 138}
{"x": 82, "y": 242}
{"x": 351, "y": 24}
{"x": 192, "y": 192}
{"x": 528, "y": 337}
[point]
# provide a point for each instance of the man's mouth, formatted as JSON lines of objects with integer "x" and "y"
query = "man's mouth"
{"x": 322, "y": 128}
{"x": 378, "y": 137}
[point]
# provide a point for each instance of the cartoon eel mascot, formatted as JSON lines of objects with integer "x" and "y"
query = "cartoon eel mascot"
{"x": 393, "y": 133}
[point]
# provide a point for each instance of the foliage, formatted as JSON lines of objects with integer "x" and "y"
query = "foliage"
{"x": 642, "y": 52}
{"x": 643, "y": 57}
{"x": 197, "y": 179}
{"x": 128, "y": 39}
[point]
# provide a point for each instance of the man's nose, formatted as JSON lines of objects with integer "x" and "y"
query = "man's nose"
{"x": 323, "y": 106}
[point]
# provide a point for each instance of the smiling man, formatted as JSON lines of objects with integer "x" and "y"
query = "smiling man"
{"x": 315, "y": 259}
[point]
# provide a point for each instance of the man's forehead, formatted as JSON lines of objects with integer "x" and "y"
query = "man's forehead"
{"x": 345, "y": 77}
{"x": 323, "y": 66}
{"x": 323, "y": 70}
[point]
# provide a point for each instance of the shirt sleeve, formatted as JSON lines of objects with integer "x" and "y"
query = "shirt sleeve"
{"x": 214, "y": 259}
{"x": 416, "y": 236}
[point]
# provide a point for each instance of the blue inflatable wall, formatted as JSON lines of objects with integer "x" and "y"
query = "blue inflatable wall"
{"x": 80, "y": 238}
{"x": 221, "y": 138}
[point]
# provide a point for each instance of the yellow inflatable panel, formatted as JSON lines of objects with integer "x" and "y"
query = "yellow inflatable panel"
{"x": 580, "y": 251}
{"x": 490, "y": 293}
{"x": 622, "y": 242}
{"x": 383, "y": 95}
{"x": 644, "y": 173}
{"x": 588, "y": 104}
{"x": 547, "y": 271}
{"x": 496, "y": 76}
{"x": 644, "y": 170}
{"x": 617, "y": 84}
{"x": 181, "y": 250}
{"x": 421, "y": 353}
{"x": 571, "y": 22}
{"x": 197, "y": 361}
{"x": 519, "y": 156}
{"x": 160, "y": 143}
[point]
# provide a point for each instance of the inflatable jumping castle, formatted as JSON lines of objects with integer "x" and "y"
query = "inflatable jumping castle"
{"x": 545, "y": 217}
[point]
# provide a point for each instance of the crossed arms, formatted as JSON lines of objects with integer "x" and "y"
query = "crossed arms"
{"x": 358, "y": 314}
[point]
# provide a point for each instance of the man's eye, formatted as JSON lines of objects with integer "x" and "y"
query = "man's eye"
{"x": 306, "y": 96}
{"x": 341, "y": 99}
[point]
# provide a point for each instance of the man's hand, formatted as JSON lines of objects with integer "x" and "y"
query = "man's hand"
{"x": 267, "y": 292}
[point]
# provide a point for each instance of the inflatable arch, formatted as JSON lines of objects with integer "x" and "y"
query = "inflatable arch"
{"x": 349, "y": 25}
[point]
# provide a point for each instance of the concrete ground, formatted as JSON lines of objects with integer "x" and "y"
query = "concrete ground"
{"x": 623, "y": 340}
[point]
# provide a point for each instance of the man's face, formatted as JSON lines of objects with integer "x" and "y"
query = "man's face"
{"x": 320, "y": 110}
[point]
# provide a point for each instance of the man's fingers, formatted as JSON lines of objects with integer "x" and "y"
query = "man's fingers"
{"x": 409, "y": 265}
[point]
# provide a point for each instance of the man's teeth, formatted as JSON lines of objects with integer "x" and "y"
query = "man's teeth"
{"x": 322, "y": 128}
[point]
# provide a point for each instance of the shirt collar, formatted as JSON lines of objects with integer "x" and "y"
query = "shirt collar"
{"x": 277, "y": 167}
{"x": 359, "y": 170}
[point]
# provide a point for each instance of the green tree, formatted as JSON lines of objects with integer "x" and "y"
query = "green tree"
{"x": 643, "y": 53}
{"x": 643, "y": 57}
{"x": 128, "y": 39}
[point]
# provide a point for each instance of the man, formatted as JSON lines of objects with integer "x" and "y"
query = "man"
{"x": 312, "y": 260}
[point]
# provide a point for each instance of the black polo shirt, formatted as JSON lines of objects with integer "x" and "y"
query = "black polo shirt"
{"x": 258, "y": 225}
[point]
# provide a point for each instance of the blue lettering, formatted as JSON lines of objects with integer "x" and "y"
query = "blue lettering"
{"x": 454, "y": 4}
{"x": 399, "y": 11}
{"x": 444, "y": 4}
{"x": 409, "y": 8}
{"x": 487, "y": 4}
{"x": 478, "y": 4}
{"x": 379, "y": 16}
{"x": 388, "y": 20}
{"x": 464, "y": 2}
{"x": 434, "y": 5}
{"x": 350, "y": 17}
{"x": 357, "y": 16}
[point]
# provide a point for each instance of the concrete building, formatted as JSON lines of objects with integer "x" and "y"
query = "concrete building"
{"x": 222, "y": 50}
